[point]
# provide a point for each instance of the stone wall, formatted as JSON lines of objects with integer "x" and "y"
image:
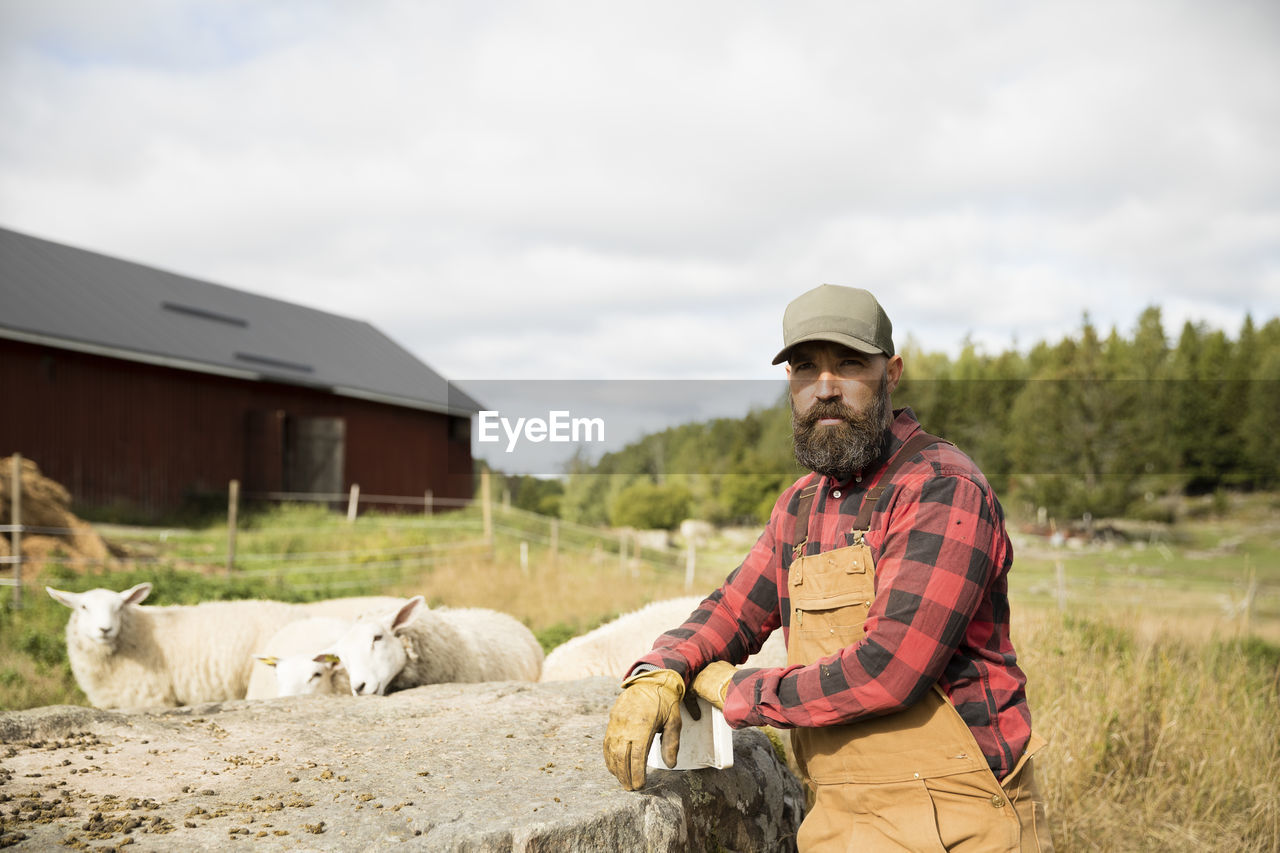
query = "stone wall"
{"x": 450, "y": 767}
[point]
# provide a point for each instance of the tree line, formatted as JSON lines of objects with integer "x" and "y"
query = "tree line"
{"x": 1109, "y": 426}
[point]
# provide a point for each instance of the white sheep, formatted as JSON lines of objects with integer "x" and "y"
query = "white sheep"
{"x": 289, "y": 665}
{"x": 414, "y": 645}
{"x": 124, "y": 655}
{"x": 613, "y": 647}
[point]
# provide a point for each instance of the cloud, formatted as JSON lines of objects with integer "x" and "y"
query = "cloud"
{"x": 566, "y": 189}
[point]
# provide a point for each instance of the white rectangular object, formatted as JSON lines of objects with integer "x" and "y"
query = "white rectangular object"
{"x": 707, "y": 742}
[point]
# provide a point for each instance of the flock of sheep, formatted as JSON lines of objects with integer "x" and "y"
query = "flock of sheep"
{"x": 126, "y": 655}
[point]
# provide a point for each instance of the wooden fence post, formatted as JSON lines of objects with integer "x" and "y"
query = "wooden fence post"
{"x": 524, "y": 558}
{"x": 233, "y": 510}
{"x": 1250, "y": 600}
{"x": 690, "y": 563}
{"x": 353, "y": 503}
{"x": 486, "y": 509}
{"x": 1062, "y": 586}
{"x": 428, "y": 503}
{"x": 554, "y": 548}
{"x": 16, "y": 536}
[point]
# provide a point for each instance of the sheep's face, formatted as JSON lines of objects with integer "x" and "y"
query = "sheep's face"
{"x": 302, "y": 675}
{"x": 98, "y": 615}
{"x": 371, "y": 650}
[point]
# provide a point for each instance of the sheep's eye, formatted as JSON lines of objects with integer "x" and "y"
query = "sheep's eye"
{"x": 377, "y": 638}
{"x": 314, "y": 676}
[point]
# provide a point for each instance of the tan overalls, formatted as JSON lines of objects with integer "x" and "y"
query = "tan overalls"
{"x": 914, "y": 780}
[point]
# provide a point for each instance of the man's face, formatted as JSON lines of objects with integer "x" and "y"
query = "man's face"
{"x": 840, "y": 406}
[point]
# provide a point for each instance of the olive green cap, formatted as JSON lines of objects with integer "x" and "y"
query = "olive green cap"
{"x": 843, "y": 315}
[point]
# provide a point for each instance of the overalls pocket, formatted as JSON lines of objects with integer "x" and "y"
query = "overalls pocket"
{"x": 831, "y": 594}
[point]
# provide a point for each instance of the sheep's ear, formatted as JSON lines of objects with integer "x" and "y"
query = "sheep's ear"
{"x": 268, "y": 659}
{"x": 328, "y": 659}
{"x": 67, "y": 599}
{"x": 136, "y": 594}
{"x": 407, "y": 613}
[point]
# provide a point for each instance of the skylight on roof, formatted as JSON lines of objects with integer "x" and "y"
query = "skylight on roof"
{"x": 268, "y": 361}
{"x": 204, "y": 314}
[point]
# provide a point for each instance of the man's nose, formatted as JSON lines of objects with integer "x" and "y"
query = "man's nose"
{"x": 826, "y": 387}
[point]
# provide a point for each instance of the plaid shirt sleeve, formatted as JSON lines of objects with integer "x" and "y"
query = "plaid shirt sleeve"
{"x": 735, "y": 620}
{"x": 940, "y": 612}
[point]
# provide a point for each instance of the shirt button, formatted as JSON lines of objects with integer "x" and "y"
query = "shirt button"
{"x": 836, "y": 493}
{"x": 997, "y": 801}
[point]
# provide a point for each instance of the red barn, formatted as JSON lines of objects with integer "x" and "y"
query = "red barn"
{"x": 131, "y": 385}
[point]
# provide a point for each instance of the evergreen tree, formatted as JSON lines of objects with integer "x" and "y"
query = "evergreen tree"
{"x": 1087, "y": 425}
{"x": 1260, "y": 424}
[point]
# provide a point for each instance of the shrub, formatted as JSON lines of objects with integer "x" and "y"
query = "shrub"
{"x": 651, "y": 506}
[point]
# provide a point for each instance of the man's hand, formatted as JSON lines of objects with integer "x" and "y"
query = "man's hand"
{"x": 713, "y": 682}
{"x": 650, "y": 702}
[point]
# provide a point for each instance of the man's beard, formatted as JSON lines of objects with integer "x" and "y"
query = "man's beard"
{"x": 841, "y": 449}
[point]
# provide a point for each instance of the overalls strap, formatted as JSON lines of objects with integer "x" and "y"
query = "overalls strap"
{"x": 910, "y": 448}
{"x": 802, "y": 519}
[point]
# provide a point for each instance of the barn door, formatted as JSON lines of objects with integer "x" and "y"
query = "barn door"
{"x": 314, "y": 454}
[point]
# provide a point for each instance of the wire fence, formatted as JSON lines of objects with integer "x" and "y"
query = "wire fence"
{"x": 481, "y": 529}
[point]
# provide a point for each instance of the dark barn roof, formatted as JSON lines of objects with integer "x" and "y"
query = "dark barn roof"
{"x": 70, "y": 298}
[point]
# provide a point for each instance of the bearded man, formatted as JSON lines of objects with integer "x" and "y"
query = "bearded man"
{"x": 887, "y": 571}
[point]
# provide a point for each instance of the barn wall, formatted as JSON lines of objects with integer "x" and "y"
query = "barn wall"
{"x": 115, "y": 431}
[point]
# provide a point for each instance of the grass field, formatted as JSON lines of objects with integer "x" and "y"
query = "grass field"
{"x": 1152, "y": 658}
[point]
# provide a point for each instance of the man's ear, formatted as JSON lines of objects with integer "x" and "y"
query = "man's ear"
{"x": 893, "y": 372}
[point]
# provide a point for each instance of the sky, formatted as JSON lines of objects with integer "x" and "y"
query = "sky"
{"x": 578, "y": 191}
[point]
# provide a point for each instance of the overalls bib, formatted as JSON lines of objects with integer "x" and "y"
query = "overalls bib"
{"x": 913, "y": 780}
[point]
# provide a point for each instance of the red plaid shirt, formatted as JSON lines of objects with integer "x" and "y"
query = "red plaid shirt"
{"x": 941, "y": 609}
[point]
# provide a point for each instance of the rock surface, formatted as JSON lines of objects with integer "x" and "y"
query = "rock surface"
{"x": 465, "y": 767}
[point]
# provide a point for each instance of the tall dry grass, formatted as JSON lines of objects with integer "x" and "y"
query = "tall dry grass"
{"x": 1157, "y": 742}
{"x": 571, "y": 596}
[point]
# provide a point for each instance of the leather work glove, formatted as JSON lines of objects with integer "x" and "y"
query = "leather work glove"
{"x": 713, "y": 682}
{"x": 650, "y": 702}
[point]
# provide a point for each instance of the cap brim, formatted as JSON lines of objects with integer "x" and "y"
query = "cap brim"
{"x": 835, "y": 338}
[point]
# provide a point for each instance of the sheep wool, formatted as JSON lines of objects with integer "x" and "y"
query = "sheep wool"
{"x": 168, "y": 656}
{"x": 413, "y": 645}
{"x": 613, "y": 647}
{"x": 467, "y": 644}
